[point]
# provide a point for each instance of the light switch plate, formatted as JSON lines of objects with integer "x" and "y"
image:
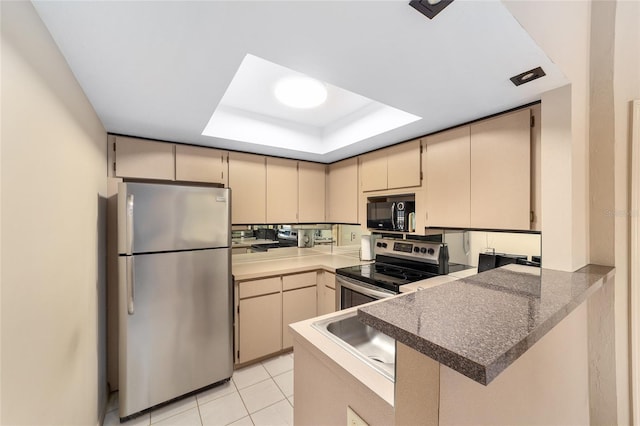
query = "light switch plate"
{"x": 353, "y": 419}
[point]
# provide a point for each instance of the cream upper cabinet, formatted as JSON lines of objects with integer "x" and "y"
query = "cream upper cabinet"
{"x": 501, "y": 172}
{"x": 343, "y": 191}
{"x": 373, "y": 170}
{"x": 247, "y": 180}
{"x": 282, "y": 190}
{"x": 447, "y": 178}
{"x": 140, "y": 158}
{"x": 403, "y": 165}
{"x": 391, "y": 168}
{"x": 200, "y": 164}
{"x": 311, "y": 192}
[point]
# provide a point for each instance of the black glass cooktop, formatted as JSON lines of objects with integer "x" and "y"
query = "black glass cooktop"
{"x": 383, "y": 275}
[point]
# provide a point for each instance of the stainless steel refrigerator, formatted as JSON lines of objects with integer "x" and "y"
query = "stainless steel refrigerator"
{"x": 175, "y": 291}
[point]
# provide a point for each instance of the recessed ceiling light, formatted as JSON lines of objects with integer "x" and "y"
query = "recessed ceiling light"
{"x": 528, "y": 76}
{"x": 300, "y": 92}
{"x": 429, "y": 8}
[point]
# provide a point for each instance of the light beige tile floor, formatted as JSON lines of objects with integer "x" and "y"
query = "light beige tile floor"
{"x": 261, "y": 394}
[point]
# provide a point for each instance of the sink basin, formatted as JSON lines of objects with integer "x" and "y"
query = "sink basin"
{"x": 370, "y": 345}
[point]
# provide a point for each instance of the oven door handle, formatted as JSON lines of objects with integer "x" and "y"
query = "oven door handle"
{"x": 363, "y": 288}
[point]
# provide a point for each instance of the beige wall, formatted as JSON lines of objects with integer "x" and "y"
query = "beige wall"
{"x": 626, "y": 87}
{"x": 562, "y": 30}
{"x": 580, "y": 43}
{"x": 53, "y": 176}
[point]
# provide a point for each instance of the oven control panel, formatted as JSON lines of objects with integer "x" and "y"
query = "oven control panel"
{"x": 416, "y": 250}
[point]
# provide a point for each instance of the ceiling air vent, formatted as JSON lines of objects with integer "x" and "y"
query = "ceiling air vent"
{"x": 527, "y": 76}
{"x": 429, "y": 8}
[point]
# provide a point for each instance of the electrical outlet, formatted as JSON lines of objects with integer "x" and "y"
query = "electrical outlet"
{"x": 353, "y": 236}
{"x": 353, "y": 419}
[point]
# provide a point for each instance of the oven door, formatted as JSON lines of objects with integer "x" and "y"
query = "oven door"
{"x": 350, "y": 292}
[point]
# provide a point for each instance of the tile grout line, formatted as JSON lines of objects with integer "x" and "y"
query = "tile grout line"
{"x": 270, "y": 405}
{"x": 242, "y": 399}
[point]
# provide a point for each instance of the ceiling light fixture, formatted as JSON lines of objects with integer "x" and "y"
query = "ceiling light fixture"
{"x": 300, "y": 92}
{"x": 527, "y": 76}
{"x": 429, "y": 8}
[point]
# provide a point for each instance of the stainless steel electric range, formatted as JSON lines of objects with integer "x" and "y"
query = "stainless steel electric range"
{"x": 398, "y": 262}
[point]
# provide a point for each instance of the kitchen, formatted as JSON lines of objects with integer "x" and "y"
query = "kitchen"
{"x": 53, "y": 347}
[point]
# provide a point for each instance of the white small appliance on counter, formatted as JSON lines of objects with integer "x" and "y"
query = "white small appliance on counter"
{"x": 367, "y": 247}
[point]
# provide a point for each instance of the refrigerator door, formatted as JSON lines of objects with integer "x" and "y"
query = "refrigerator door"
{"x": 175, "y": 324}
{"x": 157, "y": 217}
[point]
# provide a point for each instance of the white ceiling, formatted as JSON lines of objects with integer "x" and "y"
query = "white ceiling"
{"x": 158, "y": 69}
{"x": 250, "y": 112}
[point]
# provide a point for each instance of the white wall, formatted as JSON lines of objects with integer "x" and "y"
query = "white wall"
{"x": 53, "y": 177}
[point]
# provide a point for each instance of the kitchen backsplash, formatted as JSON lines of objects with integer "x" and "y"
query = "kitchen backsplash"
{"x": 465, "y": 246}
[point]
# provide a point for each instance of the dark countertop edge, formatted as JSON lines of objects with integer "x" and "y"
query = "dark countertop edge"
{"x": 480, "y": 373}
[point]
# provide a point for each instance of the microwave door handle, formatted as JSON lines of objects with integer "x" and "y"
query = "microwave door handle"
{"x": 393, "y": 216}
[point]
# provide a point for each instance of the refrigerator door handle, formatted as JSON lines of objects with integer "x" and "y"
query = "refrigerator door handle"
{"x": 129, "y": 248}
{"x": 130, "y": 286}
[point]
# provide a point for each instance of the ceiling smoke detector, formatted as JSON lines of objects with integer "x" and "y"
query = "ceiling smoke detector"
{"x": 429, "y": 8}
{"x": 528, "y": 76}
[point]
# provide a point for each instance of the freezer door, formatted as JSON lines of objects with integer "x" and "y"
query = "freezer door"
{"x": 157, "y": 217}
{"x": 175, "y": 324}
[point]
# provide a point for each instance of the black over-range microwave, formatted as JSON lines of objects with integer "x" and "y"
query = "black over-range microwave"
{"x": 391, "y": 215}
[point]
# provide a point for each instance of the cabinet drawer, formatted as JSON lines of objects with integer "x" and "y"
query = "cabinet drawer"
{"x": 258, "y": 287}
{"x": 290, "y": 282}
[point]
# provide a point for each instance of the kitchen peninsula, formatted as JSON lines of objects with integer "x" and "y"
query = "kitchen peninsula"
{"x": 507, "y": 346}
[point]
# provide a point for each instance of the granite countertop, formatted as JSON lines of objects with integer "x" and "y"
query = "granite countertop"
{"x": 480, "y": 325}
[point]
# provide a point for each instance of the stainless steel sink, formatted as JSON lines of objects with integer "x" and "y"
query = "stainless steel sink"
{"x": 372, "y": 346}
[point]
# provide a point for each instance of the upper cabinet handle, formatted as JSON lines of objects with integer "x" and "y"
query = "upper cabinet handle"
{"x": 129, "y": 224}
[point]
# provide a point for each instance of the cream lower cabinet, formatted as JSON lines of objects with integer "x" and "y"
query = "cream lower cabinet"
{"x": 299, "y": 301}
{"x": 297, "y": 305}
{"x": 327, "y": 293}
{"x": 266, "y": 307}
{"x": 259, "y": 319}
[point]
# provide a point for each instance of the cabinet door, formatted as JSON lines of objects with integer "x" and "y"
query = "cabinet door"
{"x": 373, "y": 171}
{"x": 447, "y": 179}
{"x": 403, "y": 165}
{"x": 297, "y": 305}
{"x": 199, "y": 164}
{"x": 501, "y": 172}
{"x": 327, "y": 294}
{"x": 139, "y": 158}
{"x": 247, "y": 180}
{"x": 311, "y": 192}
{"x": 282, "y": 190}
{"x": 343, "y": 191}
{"x": 260, "y": 326}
